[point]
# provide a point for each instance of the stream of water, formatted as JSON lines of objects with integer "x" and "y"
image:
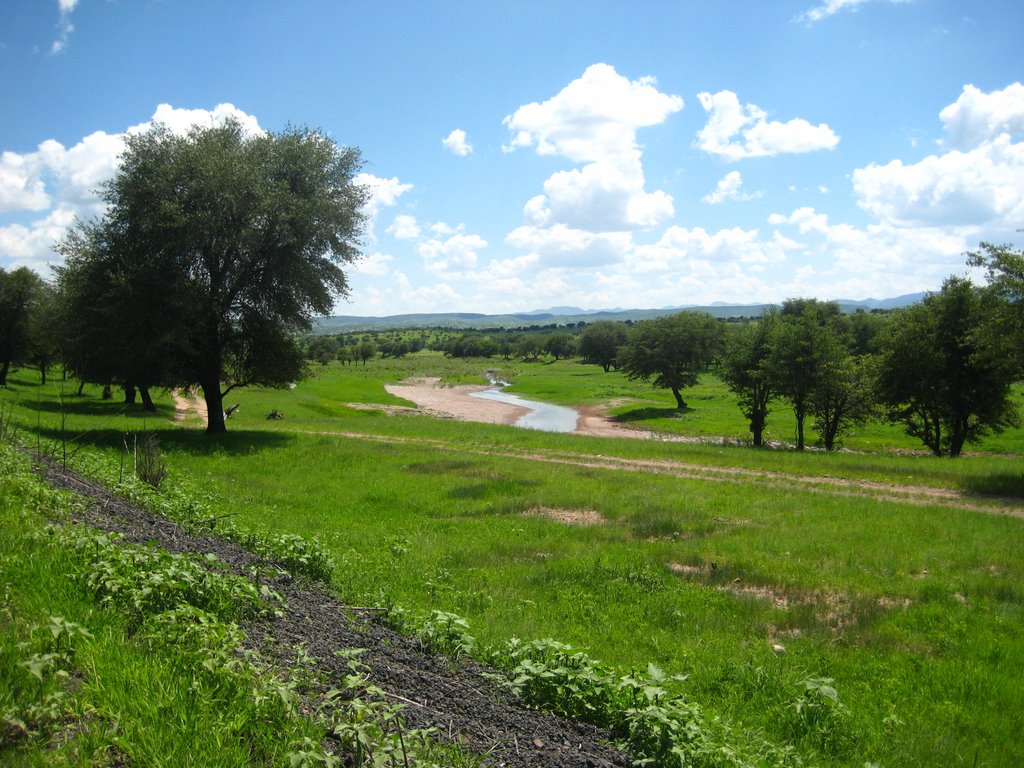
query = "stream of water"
{"x": 542, "y": 416}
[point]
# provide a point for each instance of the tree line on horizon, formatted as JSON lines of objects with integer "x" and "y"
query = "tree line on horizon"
{"x": 941, "y": 368}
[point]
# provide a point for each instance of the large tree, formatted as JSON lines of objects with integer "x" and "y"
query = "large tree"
{"x": 600, "y": 343}
{"x": 944, "y": 374}
{"x": 20, "y": 292}
{"x": 228, "y": 243}
{"x": 672, "y": 350}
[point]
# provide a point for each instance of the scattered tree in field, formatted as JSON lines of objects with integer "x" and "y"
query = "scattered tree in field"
{"x": 230, "y": 243}
{"x": 744, "y": 369}
{"x": 560, "y": 345}
{"x": 20, "y": 293}
{"x": 672, "y": 350}
{"x": 44, "y": 330}
{"x": 805, "y": 345}
{"x": 366, "y": 351}
{"x": 844, "y": 397}
{"x": 944, "y": 374}
{"x": 600, "y": 343}
{"x": 530, "y": 347}
{"x": 322, "y": 349}
{"x": 471, "y": 345}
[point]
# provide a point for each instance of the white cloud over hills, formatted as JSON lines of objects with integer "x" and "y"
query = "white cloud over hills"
{"x": 596, "y": 231}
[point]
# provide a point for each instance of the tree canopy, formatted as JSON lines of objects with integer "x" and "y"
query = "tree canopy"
{"x": 216, "y": 250}
{"x": 672, "y": 350}
{"x": 805, "y": 347}
{"x": 945, "y": 373}
{"x": 600, "y": 343}
{"x": 21, "y": 290}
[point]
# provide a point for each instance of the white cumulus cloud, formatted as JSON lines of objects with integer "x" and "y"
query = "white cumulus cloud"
{"x": 593, "y": 122}
{"x": 976, "y": 116}
{"x": 181, "y": 121}
{"x": 375, "y": 265}
{"x": 981, "y": 183}
{"x": 757, "y": 136}
{"x": 560, "y": 246}
{"x": 404, "y": 227}
{"x": 451, "y": 254}
{"x": 594, "y": 116}
{"x": 456, "y": 143}
{"x": 697, "y": 249}
{"x": 729, "y": 187}
{"x": 383, "y": 193}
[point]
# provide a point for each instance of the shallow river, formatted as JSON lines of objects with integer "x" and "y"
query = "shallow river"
{"x": 542, "y": 416}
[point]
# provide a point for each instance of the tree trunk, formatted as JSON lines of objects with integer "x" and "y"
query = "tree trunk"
{"x": 680, "y": 403}
{"x": 147, "y": 399}
{"x": 129, "y": 394}
{"x": 957, "y": 436}
{"x": 757, "y": 420}
{"x": 42, "y": 371}
{"x": 214, "y": 408}
{"x": 4, "y": 370}
{"x": 801, "y": 413}
{"x": 81, "y": 387}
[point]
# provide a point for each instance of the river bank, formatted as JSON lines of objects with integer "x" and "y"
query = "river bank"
{"x": 433, "y": 396}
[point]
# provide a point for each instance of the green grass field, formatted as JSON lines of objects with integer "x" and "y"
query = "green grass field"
{"x": 749, "y": 571}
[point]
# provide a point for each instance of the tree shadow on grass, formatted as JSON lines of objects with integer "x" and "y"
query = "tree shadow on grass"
{"x": 89, "y": 406}
{"x": 650, "y": 413}
{"x": 1009, "y": 484}
{"x": 171, "y": 439}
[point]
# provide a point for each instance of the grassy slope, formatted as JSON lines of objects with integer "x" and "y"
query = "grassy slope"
{"x": 915, "y": 611}
{"x": 106, "y": 690}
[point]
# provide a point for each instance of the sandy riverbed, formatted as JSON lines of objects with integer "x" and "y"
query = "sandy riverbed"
{"x": 456, "y": 402}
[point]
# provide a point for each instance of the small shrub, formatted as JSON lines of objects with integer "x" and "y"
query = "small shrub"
{"x": 150, "y": 466}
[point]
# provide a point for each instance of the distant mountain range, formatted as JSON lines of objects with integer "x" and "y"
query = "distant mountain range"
{"x": 569, "y": 315}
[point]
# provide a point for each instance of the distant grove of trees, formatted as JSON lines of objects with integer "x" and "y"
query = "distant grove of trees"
{"x": 942, "y": 369}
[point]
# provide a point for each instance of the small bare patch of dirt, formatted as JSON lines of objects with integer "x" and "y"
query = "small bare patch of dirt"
{"x": 189, "y": 405}
{"x": 687, "y": 570}
{"x": 390, "y": 410}
{"x": 776, "y": 597}
{"x": 835, "y": 610}
{"x": 584, "y": 517}
{"x": 895, "y": 602}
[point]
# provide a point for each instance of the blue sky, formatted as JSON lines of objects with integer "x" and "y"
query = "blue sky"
{"x": 524, "y": 155}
